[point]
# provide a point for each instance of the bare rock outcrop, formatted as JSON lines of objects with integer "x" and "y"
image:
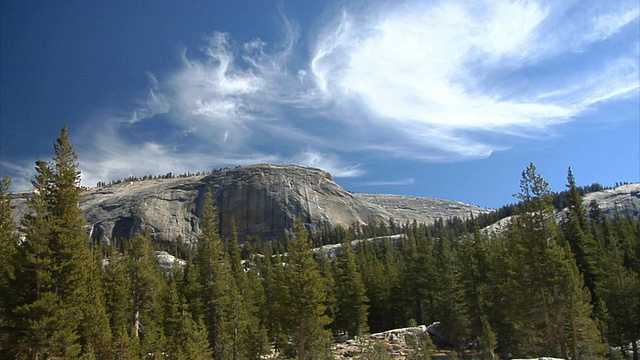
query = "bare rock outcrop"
{"x": 404, "y": 343}
{"x": 263, "y": 200}
{"x": 623, "y": 200}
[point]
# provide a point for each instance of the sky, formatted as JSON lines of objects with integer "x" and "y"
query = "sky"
{"x": 445, "y": 99}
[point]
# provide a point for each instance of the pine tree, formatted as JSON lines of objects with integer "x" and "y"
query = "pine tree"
{"x": 8, "y": 235}
{"x": 418, "y": 289}
{"x": 276, "y": 292}
{"x": 116, "y": 283}
{"x": 379, "y": 282}
{"x": 327, "y": 273}
{"x": 302, "y": 306}
{"x": 472, "y": 283}
{"x": 504, "y": 297}
{"x": 621, "y": 288}
{"x": 61, "y": 311}
{"x": 588, "y": 253}
{"x": 351, "y": 299}
{"x": 251, "y": 341}
{"x": 8, "y": 251}
{"x": 447, "y": 299}
{"x": 219, "y": 303}
{"x": 187, "y": 338}
{"x": 549, "y": 277}
{"x": 146, "y": 286}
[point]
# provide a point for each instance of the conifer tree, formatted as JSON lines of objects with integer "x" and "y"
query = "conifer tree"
{"x": 379, "y": 283}
{"x": 61, "y": 312}
{"x": 418, "y": 289}
{"x": 219, "y": 303}
{"x": 588, "y": 253}
{"x": 8, "y": 236}
{"x": 549, "y": 277}
{"x": 146, "y": 286}
{"x": 351, "y": 299}
{"x": 276, "y": 289}
{"x": 252, "y": 341}
{"x": 447, "y": 299}
{"x": 621, "y": 290}
{"x": 303, "y": 304}
{"x": 186, "y": 338}
{"x": 472, "y": 283}
{"x": 8, "y": 251}
{"x": 116, "y": 283}
{"x": 327, "y": 273}
{"x": 504, "y": 296}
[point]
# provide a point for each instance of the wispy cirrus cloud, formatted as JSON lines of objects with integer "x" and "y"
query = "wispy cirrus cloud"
{"x": 401, "y": 182}
{"x": 431, "y": 81}
{"x": 448, "y": 68}
{"x": 328, "y": 162}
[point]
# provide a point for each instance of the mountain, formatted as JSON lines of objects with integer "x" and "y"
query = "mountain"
{"x": 264, "y": 200}
{"x": 623, "y": 200}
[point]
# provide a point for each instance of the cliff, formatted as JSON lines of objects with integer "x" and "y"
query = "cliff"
{"x": 264, "y": 200}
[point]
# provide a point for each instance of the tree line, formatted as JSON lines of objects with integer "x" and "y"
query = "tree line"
{"x": 535, "y": 288}
{"x": 169, "y": 175}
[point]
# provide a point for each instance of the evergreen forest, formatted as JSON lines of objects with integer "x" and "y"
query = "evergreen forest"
{"x": 536, "y": 287}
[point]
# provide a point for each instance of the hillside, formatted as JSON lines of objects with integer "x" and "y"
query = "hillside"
{"x": 263, "y": 200}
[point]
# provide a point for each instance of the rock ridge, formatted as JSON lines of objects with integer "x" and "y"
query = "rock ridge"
{"x": 263, "y": 200}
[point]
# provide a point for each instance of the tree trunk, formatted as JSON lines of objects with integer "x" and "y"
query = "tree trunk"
{"x": 551, "y": 341}
{"x": 574, "y": 341}
{"x": 136, "y": 323}
{"x": 301, "y": 349}
{"x": 560, "y": 324}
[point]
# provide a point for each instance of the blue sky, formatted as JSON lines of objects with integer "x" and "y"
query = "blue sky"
{"x": 442, "y": 99}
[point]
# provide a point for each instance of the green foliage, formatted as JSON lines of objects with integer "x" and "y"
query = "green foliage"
{"x": 8, "y": 251}
{"x": 56, "y": 307}
{"x": 8, "y": 234}
{"x": 301, "y": 305}
{"x": 218, "y": 301}
{"x": 557, "y": 320}
{"x": 351, "y": 299}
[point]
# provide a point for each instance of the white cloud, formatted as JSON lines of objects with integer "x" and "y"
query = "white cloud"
{"x": 113, "y": 159}
{"x": 327, "y": 162}
{"x": 155, "y": 103}
{"x": 401, "y": 182}
{"x": 440, "y": 69}
{"x": 433, "y": 81}
{"x": 605, "y": 25}
{"x": 213, "y": 90}
{"x": 21, "y": 174}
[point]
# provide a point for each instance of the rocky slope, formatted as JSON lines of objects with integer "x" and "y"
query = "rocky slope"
{"x": 624, "y": 200}
{"x": 263, "y": 199}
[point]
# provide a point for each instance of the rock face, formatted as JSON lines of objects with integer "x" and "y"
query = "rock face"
{"x": 264, "y": 200}
{"x": 624, "y": 200}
